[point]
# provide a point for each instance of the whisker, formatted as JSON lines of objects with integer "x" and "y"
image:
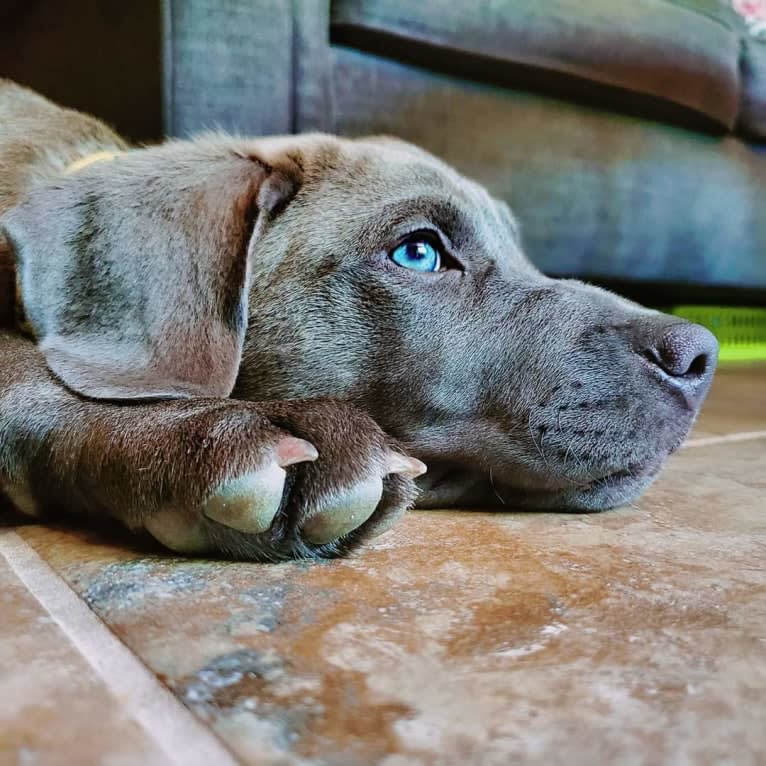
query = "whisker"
{"x": 494, "y": 489}
{"x": 540, "y": 447}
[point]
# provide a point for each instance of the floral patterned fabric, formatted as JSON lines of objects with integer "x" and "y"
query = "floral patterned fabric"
{"x": 754, "y": 14}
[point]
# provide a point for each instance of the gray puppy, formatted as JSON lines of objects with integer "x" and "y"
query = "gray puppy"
{"x": 236, "y": 344}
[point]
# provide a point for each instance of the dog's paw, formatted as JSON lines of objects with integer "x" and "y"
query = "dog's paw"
{"x": 288, "y": 479}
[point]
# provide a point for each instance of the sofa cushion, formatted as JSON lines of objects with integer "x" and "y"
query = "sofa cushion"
{"x": 243, "y": 66}
{"x": 722, "y": 11}
{"x": 597, "y": 193}
{"x": 682, "y": 51}
{"x": 752, "y": 113}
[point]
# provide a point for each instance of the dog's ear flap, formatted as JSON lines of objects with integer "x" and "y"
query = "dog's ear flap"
{"x": 134, "y": 273}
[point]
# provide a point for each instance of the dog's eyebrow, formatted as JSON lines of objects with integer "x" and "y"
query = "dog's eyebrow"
{"x": 442, "y": 212}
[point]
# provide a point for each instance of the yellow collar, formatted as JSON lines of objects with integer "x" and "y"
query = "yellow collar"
{"x": 90, "y": 159}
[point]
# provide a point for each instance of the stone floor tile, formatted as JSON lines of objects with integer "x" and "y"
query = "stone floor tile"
{"x": 70, "y": 692}
{"x": 635, "y": 636}
{"x": 736, "y": 402}
{"x": 54, "y": 709}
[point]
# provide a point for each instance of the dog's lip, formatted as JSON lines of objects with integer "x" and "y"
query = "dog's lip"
{"x": 609, "y": 488}
{"x": 631, "y": 473}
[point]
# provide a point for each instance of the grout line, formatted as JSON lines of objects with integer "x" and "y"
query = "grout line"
{"x": 184, "y": 739}
{"x": 744, "y": 436}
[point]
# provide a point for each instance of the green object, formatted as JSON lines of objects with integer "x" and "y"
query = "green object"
{"x": 740, "y": 331}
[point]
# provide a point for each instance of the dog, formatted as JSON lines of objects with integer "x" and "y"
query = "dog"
{"x": 253, "y": 347}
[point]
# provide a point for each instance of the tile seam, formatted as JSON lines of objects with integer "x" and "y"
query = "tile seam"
{"x": 742, "y": 436}
{"x": 179, "y": 734}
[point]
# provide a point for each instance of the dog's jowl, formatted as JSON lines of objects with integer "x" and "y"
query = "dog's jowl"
{"x": 249, "y": 346}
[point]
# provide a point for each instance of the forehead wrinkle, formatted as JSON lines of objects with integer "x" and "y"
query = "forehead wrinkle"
{"x": 388, "y": 185}
{"x": 501, "y": 236}
{"x": 442, "y": 212}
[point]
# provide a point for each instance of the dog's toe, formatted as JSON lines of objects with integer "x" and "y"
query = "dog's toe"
{"x": 178, "y": 531}
{"x": 350, "y": 508}
{"x": 250, "y": 502}
{"x": 345, "y": 512}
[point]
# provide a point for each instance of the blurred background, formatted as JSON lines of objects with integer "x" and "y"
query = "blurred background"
{"x": 629, "y": 137}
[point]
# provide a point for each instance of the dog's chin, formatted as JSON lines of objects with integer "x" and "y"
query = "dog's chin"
{"x": 449, "y": 487}
{"x": 614, "y": 490}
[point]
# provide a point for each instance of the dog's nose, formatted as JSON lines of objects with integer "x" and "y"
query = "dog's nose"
{"x": 687, "y": 353}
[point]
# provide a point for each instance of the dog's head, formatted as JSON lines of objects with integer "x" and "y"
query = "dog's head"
{"x": 365, "y": 270}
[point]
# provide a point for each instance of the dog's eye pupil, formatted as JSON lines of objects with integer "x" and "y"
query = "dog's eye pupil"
{"x": 417, "y": 254}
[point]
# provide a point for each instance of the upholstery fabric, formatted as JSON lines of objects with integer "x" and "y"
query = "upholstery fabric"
{"x": 663, "y": 49}
{"x": 752, "y": 115}
{"x": 603, "y": 189}
{"x": 721, "y": 11}
{"x": 597, "y": 193}
{"x": 212, "y": 50}
{"x": 240, "y": 65}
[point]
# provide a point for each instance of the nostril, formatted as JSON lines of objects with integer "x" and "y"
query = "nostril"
{"x": 698, "y": 367}
{"x": 685, "y": 351}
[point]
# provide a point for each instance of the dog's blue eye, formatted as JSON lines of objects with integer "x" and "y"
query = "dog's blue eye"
{"x": 417, "y": 254}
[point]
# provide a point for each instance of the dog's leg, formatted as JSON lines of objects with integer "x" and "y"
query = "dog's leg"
{"x": 252, "y": 480}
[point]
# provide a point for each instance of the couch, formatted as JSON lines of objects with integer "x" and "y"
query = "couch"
{"x": 629, "y": 137}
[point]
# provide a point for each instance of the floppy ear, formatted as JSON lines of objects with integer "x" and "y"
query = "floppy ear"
{"x": 134, "y": 273}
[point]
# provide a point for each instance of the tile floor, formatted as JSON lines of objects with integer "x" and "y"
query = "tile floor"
{"x": 636, "y": 636}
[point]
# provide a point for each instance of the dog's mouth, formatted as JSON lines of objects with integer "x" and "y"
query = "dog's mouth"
{"x": 582, "y": 466}
{"x": 453, "y": 487}
{"x": 635, "y": 472}
{"x": 619, "y": 487}
{"x": 615, "y": 489}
